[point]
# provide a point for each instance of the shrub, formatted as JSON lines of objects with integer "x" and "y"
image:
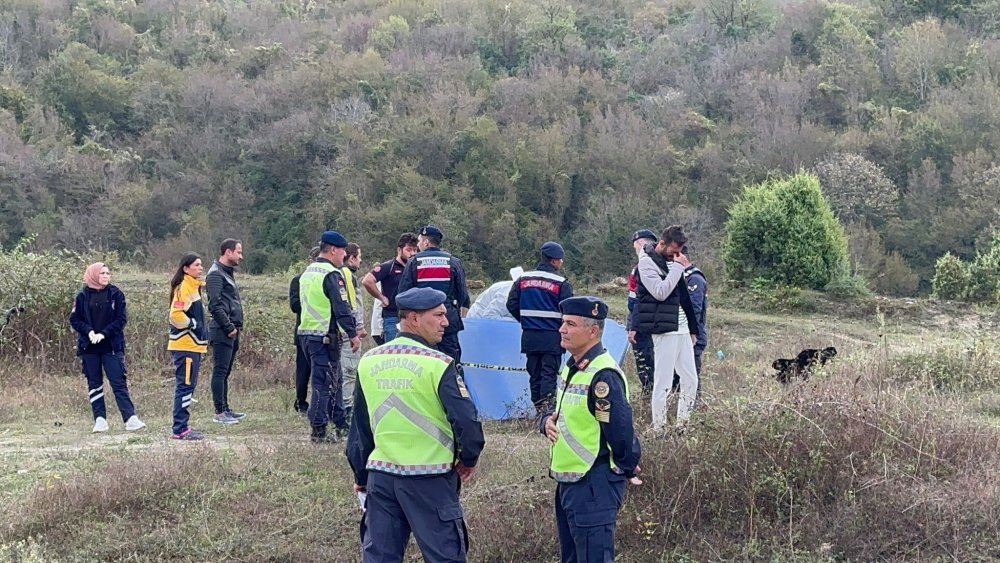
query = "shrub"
{"x": 783, "y": 231}
{"x": 984, "y": 275}
{"x": 951, "y": 277}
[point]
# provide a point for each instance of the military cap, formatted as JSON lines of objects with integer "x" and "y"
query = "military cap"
{"x": 583, "y": 306}
{"x": 432, "y": 231}
{"x": 333, "y": 238}
{"x": 553, "y": 250}
{"x": 420, "y": 299}
{"x": 643, "y": 233}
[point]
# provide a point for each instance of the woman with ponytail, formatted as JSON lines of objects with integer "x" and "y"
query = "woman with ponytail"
{"x": 188, "y": 339}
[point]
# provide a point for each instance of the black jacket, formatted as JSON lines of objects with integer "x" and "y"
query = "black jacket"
{"x": 114, "y": 331}
{"x": 224, "y": 305}
{"x": 652, "y": 316}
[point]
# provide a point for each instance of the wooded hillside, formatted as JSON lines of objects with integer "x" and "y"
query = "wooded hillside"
{"x": 158, "y": 126}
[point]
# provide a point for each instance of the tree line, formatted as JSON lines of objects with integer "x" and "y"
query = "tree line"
{"x": 155, "y": 127}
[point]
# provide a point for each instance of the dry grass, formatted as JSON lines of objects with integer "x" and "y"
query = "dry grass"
{"x": 872, "y": 459}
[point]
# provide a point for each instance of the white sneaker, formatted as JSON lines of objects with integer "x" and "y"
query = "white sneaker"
{"x": 100, "y": 425}
{"x": 134, "y": 423}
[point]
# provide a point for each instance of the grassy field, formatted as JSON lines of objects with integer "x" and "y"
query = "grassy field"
{"x": 889, "y": 454}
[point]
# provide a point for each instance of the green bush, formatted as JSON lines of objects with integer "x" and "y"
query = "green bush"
{"x": 783, "y": 231}
{"x": 984, "y": 275}
{"x": 951, "y": 277}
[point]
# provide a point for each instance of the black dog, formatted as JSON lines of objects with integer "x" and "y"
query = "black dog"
{"x": 802, "y": 365}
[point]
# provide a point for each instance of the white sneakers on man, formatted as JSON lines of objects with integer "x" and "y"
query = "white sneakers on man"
{"x": 133, "y": 423}
{"x": 101, "y": 424}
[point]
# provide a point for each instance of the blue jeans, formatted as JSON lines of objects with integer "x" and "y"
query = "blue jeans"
{"x": 113, "y": 366}
{"x": 389, "y": 330}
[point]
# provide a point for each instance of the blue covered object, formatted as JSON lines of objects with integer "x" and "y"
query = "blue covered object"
{"x": 494, "y": 365}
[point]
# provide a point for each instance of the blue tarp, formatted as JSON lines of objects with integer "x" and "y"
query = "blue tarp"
{"x": 494, "y": 365}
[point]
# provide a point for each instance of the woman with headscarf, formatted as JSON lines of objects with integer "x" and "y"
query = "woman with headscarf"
{"x": 99, "y": 316}
{"x": 188, "y": 339}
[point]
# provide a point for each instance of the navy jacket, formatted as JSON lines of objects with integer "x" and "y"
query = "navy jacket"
{"x": 534, "y": 301}
{"x": 697, "y": 286}
{"x": 81, "y": 322}
{"x": 439, "y": 270}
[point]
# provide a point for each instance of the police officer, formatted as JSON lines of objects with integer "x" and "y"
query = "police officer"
{"x": 416, "y": 435}
{"x": 436, "y": 269}
{"x": 323, "y": 294}
{"x": 534, "y": 301}
{"x": 697, "y": 285}
{"x": 594, "y": 448}
{"x": 642, "y": 343}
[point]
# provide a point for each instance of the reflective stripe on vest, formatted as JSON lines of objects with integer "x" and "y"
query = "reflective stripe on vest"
{"x": 316, "y": 313}
{"x": 412, "y": 434}
{"x": 579, "y": 443}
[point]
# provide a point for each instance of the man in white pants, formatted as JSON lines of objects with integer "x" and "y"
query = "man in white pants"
{"x": 663, "y": 309}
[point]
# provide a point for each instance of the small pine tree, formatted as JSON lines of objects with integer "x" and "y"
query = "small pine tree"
{"x": 784, "y": 231}
{"x": 951, "y": 277}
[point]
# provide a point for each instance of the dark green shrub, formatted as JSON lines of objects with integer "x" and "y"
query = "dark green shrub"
{"x": 783, "y": 231}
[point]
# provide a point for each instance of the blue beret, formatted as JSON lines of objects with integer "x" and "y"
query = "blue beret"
{"x": 553, "y": 250}
{"x": 583, "y": 306}
{"x": 644, "y": 233}
{"x": 333, "y": 238}
{"x": 432, "y": 231}
{"x": 420, "y": 299}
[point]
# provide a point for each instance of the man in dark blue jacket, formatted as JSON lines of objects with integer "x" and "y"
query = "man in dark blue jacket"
{"x": 697, "y": 285}
{"x": 437, "y": 269}
{"x": 642, "y": 343}
{"x": 534, "y": 301}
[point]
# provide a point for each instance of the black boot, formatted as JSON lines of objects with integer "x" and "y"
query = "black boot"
{"x": 319, "y": 436}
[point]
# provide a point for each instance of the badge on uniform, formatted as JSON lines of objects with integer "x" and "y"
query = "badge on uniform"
{"x": 601, "y": 390}
{"x": 377, "y": 269}
{"x": 602, "y": 410}
{"x": 693, "y": 288}
{"x": 462, "y": 389}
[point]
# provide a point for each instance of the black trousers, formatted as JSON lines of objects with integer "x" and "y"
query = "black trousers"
{"x": 224, "y": 354}
{"x": 302, "y": 371}
{"x": 543, "y": 370}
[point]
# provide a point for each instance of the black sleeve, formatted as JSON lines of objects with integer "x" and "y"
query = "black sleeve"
{"x": 335, "y": 288}
{"x": 409, "y": 277}
{"x": 117, "y": 324}
{"x": 618, "y": 432}
{"x": 361, "y": 439}
{"x": 469, "y": 437}
{"x": 294, "y": 301}
{"x": 461, "y": 286}
{"x": 77, "y": 319}
{"x": 514, "y": 300}
{"x": 566, "y": 291}
{"x": 213, "y": 286}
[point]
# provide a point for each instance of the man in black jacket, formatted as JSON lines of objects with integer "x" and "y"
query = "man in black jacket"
{"x": 663, "y": 309}
{"x": 302, "y": 368}
{"x": 225, "y": 325}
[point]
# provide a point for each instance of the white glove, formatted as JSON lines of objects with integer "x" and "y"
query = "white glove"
{"x": 93, "y": 337}
{"x": 98, "y": 338}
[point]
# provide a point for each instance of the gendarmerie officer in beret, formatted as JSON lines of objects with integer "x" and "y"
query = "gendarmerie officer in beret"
{"x": 642, "y": 342}
{"x": 323, "y": 296}
{"x": 534, "y": 302}
{"x": 437, "y": 269}
{"x": 594, "y": 448}
{"x": 416, "y": 435}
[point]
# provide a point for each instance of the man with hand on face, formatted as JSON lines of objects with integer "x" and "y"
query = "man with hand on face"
{"x": 663, "y": 308}
{"x": 224, "y": 326}
{"x": 323, "y": 293}
{"x": 594, "y": 448}
{"x": 416, "y": 436}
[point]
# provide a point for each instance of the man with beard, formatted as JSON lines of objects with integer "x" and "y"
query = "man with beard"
{"x": 382, "y": 283}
